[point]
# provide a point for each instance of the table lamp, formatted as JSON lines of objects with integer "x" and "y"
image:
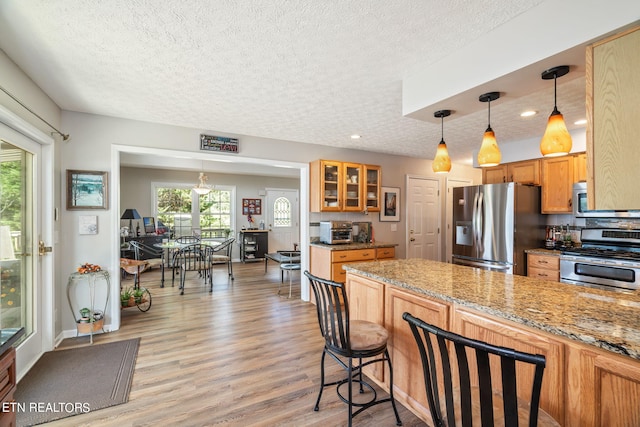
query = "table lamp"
{"x": 130, "y": 214}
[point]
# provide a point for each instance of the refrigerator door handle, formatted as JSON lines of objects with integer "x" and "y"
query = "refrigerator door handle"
{"x": 474, "y": 220}
{"x": 480, "y": 222}
{"x": 480, "y": 264}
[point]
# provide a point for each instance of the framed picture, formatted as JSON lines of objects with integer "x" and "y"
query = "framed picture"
{"x": 88, "y": 224}
{"x": 390, "y": 204}
{"x": 251, "y": 206}
{"x": 86, "y": 190}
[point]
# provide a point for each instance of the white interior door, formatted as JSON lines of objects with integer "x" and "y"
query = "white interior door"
{"x": 283, "y": 218}
{"x": 423, "y": 219}
{"x": 451, "y": 183}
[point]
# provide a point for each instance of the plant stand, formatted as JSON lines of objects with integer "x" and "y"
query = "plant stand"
{"x": 88, "y": 290}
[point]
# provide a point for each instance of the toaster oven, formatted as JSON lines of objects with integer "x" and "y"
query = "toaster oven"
{"x": 336, "y": 232}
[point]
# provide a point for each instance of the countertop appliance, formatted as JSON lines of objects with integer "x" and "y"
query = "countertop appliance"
{"x": 580, "y": 209}
{"x": 494, "y": 224}
{"x": 336, "y": 232}
{"x": 362, "y": 232}
{"x": 608, "y": 259}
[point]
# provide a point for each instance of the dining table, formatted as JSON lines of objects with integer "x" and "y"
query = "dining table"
{"x": 170, "y": 246}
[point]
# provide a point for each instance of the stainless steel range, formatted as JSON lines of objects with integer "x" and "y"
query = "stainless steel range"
{"x": 608, "y": 259}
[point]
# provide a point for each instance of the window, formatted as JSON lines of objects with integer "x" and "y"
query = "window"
{"x": 215, "y": 209}
{"x": 180, "y": 209}
{"x": 282, "y": 212}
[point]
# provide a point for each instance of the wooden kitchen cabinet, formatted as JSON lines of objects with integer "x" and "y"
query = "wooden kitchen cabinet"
{"x": 407, "y": 365}
{"x": 327, "y": 263}
{"x": 557, "y": 185}
{"x": 385, "y": 253}
{"x": 343, "y": 187}
{"x": 603, "y": 388}
{"x": 524, "y": 172}
{"x": 613, "y": 96}
{"x": 371, "y": 187}
{"x": 579, "y": 167}
{"x": 8, "y": 386}
{"x": 497, "y": 332}
{"x": 545, "y": 267}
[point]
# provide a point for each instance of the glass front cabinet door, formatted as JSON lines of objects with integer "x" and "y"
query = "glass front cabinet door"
{"x": 352, "y": 187}
{"x": 371, "y": 187}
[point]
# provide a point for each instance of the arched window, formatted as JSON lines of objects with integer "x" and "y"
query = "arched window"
{"x": 282, "y": 212}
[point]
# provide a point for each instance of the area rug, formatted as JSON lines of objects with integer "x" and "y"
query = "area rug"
{"x": 76, "y": 381}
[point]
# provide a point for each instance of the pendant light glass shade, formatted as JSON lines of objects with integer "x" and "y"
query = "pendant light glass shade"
{"x": 202, "y": 187}
{"x": 442, "y": 161}
{"x": 489, "y": 154}
{"x": 556, "y": 140}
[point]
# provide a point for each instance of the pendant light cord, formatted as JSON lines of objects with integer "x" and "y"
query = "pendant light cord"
{"x": 489, "y": 115}
{"x": 442, "y": 128}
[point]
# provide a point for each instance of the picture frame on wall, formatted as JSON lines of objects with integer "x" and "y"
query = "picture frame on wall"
{"x": 252, "y": 206}
{"x": 390, "y": 209}
{"x": 87, "y": 190}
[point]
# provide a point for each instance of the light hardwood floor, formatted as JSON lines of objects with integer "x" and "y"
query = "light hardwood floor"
{"x": 239, "y": 356}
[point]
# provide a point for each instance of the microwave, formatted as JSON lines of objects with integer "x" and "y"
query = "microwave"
{"x": 581, "y": 210}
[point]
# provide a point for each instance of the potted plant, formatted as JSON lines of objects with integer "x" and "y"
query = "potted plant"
{"x": 137, "y": 295}
{"x": 126, "y": 297}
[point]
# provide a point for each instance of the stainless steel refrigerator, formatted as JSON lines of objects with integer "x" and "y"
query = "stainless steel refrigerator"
{"x": 494, "y": 224}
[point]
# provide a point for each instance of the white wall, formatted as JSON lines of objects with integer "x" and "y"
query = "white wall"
{"x": 90, "y": 148}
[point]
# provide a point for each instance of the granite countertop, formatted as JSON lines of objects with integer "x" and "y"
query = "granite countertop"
{"x": 352, "y": 246}
{"x": 543, "y": 251}
{"x": 605, "y": 319}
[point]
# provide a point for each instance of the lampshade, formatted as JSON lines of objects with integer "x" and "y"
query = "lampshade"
{"x": 489, "y": 154}
{"x": 556, "y": 140}
{"x": 442, "y": 161}
{"x": 202, "y": 187}
{"x": 130, "y": 214}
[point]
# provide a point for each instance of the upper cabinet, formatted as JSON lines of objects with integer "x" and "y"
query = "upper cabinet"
{"x": 373, "y": 176}
{"x": 344, "y": 187}
{"x": 524, "y": 172}
{"x": 613, "y": 100}
{"x": 557, "y": 185}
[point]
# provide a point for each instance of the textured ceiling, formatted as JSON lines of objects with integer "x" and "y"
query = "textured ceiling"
{"x": 308, "y": 71}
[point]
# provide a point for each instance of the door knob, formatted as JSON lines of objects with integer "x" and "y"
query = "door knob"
{"x": 413, "y": 239}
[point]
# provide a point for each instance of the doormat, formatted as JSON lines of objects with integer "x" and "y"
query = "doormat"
{"x": 69, "y": 382}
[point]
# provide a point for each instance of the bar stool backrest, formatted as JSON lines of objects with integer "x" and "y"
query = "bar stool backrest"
{"x": 437, "y": 348}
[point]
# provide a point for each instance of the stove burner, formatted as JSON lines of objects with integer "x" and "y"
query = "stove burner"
{"x": 604, "y": 253}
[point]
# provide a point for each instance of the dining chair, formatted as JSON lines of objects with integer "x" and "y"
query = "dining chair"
{"x": 195, "y": 257}
{"x": 153, "y": 256}
{"x": 346, "y": 341}
{"x": 222, "y": 255}
{"x": 465, "y": 368}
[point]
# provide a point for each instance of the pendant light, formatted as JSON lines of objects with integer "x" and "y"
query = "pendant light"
{"x": 442, "y": 161}
{"x": 202, "y": 187}
{"x": 489, "y": 154}
{"x": 556, "y": 140}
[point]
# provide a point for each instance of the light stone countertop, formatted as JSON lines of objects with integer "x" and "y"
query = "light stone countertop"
{"x": 543, "y": 251}
{"x": 606, "y": 319}
{"x": 353, "y": 246}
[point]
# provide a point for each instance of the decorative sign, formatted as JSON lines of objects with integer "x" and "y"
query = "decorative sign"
{"x": 251, "y": 206}
{"x": 218, "y": 143}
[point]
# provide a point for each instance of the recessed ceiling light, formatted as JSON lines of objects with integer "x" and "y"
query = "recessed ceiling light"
{"x": 580, "y": 122}
{"x": 355, "y": 136}
{"x": 528, "y": 113}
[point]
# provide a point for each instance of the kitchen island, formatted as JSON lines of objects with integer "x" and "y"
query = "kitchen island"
{"x": 590, "y": 337}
